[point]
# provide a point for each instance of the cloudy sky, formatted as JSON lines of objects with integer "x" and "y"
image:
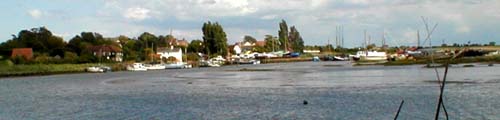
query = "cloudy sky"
{"x": 458, "y": 20}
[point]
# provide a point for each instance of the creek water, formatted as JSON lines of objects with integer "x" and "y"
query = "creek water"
{"x": 333, "y": 90}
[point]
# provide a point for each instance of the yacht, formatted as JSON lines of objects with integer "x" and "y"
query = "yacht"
{"x": 137, "y": 67}
{"x": 369, "y": 56}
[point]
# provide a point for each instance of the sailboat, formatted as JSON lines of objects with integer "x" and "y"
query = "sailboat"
{"x": 369, "y": 55}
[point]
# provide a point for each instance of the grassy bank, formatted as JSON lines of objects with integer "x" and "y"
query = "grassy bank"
{"x": 47, "y": 69}
{"x": 486, "y": 59}
{"x": 281, "y": 60}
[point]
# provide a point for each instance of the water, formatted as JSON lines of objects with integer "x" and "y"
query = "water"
{"x": 334, "y": 90}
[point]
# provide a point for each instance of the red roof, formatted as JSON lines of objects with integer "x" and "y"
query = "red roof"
{"x": 260, "y": 43}
{"x": 104, "y": 48}
{"x": 27, "y": 53}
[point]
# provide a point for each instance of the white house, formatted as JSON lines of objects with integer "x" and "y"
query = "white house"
{"x": 165, "y": 53}
{"x": 237, "y": 49}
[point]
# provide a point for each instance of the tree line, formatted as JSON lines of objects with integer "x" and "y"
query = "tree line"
{"x": 49, "y": 48}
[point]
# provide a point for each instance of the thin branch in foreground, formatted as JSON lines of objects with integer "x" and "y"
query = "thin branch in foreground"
{"x": 399, "y": 109}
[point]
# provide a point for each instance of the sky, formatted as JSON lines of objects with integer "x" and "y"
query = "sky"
{"x": 458, "y": 21}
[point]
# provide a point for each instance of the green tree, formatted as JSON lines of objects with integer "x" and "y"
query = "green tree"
{"x": 272, "y": 43}
{"x": 296, "y": 41}
{"x": 195, "y": 46}
{"x": 149, "y": 40}
{"x": 492, "y": 43}
{"x": 283, "y": 35}
{"x": 249, "y": 39}
{"x": 214, "y": 39}
{"x": 41, "y": 40}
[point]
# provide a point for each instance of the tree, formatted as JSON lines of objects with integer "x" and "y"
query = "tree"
{"x": 214, "y": 39}
{"x": 195, "y": 46}
{"x": 296, "y": 42}
{"x": 283, "y": 35}
{"x": 492, "y": 43}
{"x": 249, "y": 39}
{"x": 41, "y": 40}
{"x": 272, "y": 43}
{"x": 149, "y": 40}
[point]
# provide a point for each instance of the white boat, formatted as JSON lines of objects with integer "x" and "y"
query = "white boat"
{"x": 155, "y": 67}
{"x": 370, "y": 56}
{"x": 209, "y": 63}
{"x": 137, "y": 67}
{"x": 94, "y": 69}
{"x": 175, "y": 66}
{"x": 339, "y": 58}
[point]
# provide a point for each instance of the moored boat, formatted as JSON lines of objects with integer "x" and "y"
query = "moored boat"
{"x": 137, "y": 67}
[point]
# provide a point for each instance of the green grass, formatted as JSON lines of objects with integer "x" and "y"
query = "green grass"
{"x": 488, "y": 59}
{"x": 44, "y": 69}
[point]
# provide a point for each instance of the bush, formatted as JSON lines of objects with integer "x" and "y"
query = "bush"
{"x": 87, "y": 58}
{"x": 192, "y": 57}
{"x": 6, "y": 63}
{"x": 70, "y": 57}
{"x": 42, "y": 59}
{"x": 19, "y": 60}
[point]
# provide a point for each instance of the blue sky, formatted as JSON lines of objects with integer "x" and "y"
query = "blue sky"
{"x": 458, "y": 21}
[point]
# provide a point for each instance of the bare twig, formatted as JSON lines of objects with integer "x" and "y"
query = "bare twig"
{"x": 428, "y": 38}
{"x": 399, "y": 109}
{"x": 441, "y": 92}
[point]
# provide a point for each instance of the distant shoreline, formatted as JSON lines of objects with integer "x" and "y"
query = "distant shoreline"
{"x": 55, "y": 69}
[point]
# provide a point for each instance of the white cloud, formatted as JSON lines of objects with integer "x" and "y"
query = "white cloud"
{"x": 137, "y": 13}
{"x": 35, "y": 13}
{"x": 269, "y": 17}
{"x": 316, "y": 19}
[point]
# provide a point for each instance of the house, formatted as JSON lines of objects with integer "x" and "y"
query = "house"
{"x": 249, "y": 46}
{"x": 260, "y": 43}
{"x": 108, "y": 52}
{"x": 168, "y": 53}
{"x": 26, "y": 53}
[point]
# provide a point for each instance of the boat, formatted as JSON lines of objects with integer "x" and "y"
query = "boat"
{"x": 155, "y": 67}
{"x": 247, "y": 61}
{"x": 338, "y": 58}
{"x": 369, "y": 56}
{"x": 316, "y": 59}
{"x": 94, "y": 69}
{"x": 137, "y": 67}
{"x": 178, "y": 66}
{"x": 209, "y": 63}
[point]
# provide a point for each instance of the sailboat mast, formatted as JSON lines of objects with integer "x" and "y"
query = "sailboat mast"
{"x": 342, "y": 40}
{"x": 418, "y": 38}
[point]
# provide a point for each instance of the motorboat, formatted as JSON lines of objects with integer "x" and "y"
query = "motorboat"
{"x": 155, "y": 67}
{"x": 369, "y": 56}
{"x": 94, "y": 69}
{"x": 137, "y": 67}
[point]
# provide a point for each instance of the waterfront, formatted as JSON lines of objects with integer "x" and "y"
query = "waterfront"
{"x": 334, "y": 90}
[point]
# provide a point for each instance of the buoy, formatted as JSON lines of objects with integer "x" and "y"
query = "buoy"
{"x": 305, "y": 102}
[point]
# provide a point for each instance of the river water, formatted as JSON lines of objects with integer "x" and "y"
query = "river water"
{"x": 333, "y": 90}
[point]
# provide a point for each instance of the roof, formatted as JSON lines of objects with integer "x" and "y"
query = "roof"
{"x": 104, "y": 48}
{"x": 182, "y": 43}
{"x": 27, "y": 53}
{"x": 260, "y": 43}
{"x": 165, "y": 49}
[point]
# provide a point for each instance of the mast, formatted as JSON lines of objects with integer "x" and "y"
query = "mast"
{"x": 418, "y": 38}
{"x": 383, "y": 39}
{"x": 336, "y": 36}
{"x": 365, "y": 42}
{"x": 342, "y": 39}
